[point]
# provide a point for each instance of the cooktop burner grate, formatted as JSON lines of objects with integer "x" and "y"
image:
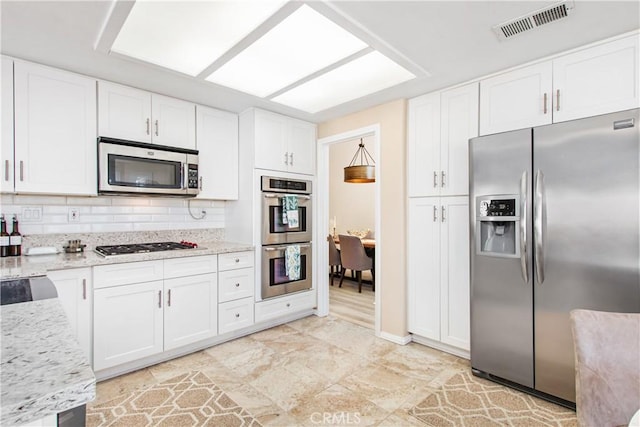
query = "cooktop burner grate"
{"x": 138, "y": 248}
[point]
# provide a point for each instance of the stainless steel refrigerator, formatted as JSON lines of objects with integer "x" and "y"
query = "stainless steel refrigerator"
{"x": 554, "y": 227}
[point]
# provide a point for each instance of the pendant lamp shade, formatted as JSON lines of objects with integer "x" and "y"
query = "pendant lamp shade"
{"x": 362, "y": 172}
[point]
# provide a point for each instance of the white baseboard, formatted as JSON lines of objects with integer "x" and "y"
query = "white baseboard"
{"x": 395, "y": 338}
{"x": 441, "y": 346}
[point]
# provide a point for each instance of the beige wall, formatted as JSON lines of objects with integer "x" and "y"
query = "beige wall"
{"x": 391, "y": 168}
{"x": 351, "y": 205}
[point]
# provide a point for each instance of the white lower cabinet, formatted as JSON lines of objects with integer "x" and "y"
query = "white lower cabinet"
{"x": 75, "y": 292}
{"x": 190, "y": 310}
{"x": 236, "y": 279}
{"x": 283, "y": 306}
{"x": 234, "y": 315}
{"x": 128, "y": 323}
{"x": 137, "y": 320}
{"x": 438, "y": 260}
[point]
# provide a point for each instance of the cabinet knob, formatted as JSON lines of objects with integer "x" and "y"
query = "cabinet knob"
{"x": 288, "y": 304}
{"x": 237, "y": 285}
{"x": 237, "y": 260}
{"x": 237, "y": 315}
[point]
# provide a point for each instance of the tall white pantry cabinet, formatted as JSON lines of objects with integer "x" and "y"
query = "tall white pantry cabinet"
{"x": 439, "y": 127}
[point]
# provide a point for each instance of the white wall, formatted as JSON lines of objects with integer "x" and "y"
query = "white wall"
{"x": 108, "y": 214}
{"x": 352, "y": 205}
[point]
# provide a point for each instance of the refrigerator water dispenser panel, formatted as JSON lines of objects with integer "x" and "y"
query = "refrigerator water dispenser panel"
{"x": 498, "y": 220}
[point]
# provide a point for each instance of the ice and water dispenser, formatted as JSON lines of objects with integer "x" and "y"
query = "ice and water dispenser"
{"x": 497, "y": 225}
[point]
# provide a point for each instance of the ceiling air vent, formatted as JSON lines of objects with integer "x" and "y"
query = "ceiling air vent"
{"x": 533, "y": 20}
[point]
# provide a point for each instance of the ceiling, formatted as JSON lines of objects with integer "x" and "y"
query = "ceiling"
{"x": 449, "y": 42}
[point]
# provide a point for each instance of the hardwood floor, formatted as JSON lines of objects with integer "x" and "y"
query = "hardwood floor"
{"x": 347, "y": 304}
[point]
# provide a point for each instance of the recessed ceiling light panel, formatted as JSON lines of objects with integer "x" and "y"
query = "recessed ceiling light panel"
{"x": 187, "y": 36}
{"x": 300, "y": 45}
{"x": 365, "y": 75}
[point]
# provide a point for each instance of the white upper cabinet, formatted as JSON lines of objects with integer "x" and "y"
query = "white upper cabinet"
{"x": 423, "y": 151}
{"x": 6, "y": 156}
{"x": 458, "y": 123}
{"x": 281, "y": 143}
{"x": 217, "y": 143}
{"x": 137, "y": 115}
{"x": 174, "y": 122}
{"x": 55, "y": 131}
{"x": 124, "y": 112}
{"x": 593, "y": 81}
{"x": 516, "y": 100}
{"x": 439, "y": 127}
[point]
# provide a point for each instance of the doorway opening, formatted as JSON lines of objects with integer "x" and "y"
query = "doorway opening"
{"x": 327, "y": 221}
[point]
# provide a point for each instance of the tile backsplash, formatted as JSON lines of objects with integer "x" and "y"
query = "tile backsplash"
{"x": 60, "y": 214}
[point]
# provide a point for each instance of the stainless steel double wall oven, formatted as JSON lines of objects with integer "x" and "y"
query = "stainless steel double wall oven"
{"x": 277, "y": 235}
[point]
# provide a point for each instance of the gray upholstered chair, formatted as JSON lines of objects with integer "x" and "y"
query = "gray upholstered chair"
{"x": 355, "y": 258}
{"x": 334, "y": 259}
{"x": 607, "y": 360}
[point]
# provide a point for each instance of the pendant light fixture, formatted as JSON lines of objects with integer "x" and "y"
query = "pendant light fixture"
{"x": 360, "y": 173}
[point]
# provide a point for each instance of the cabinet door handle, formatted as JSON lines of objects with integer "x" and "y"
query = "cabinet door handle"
{"x": 558, "y": 100}
{"x": 200, "y": 183}
{"x": 84, "y": 288}
{"x": 286, "y": 158}
{"x": 545, "y": 103}
{"x": 169, "y": 298}
{"x": 157, "y": 128}
{"x": 435, "y": 179}
{"x": 148, "y": 125}
{"x": 444, "y": 218}
{"x": 442, "y": 179}
{"x": 21, "y": 170}
{"x": 291, "y": 159}
{"x": 435, "y": 214}
{"x": 159, "y": 299}
{"x": 6, "y": 170}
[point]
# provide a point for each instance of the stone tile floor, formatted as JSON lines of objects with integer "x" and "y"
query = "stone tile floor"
{"x": 310, "y": 372}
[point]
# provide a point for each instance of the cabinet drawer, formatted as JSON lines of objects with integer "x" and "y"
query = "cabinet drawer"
{"x": 283, "y": 306}
{"x": 234, "y": 260}
{"x": 105, "y": 276}
{"x": 235, "y": 315}
{"x": 235, "y": 284}
{"x": 189, "y": 266}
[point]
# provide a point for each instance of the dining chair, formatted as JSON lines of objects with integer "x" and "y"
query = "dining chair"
{"x": 334, "y": 259}
{"x": 607, "y": 362}
{"x": 354, "y": 258}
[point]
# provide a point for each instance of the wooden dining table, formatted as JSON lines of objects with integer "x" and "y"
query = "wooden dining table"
{"x": 367, "y": 243}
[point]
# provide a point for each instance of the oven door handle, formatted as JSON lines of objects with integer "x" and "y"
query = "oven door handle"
{"x": 275, "y": 196}
{"x": 280, "y": 248}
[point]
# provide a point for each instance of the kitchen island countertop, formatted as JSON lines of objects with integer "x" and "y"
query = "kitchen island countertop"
{"x": 43, "y": 371}
{"x": 38, "y": 265}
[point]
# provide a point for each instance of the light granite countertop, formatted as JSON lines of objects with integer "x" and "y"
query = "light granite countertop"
{"x": 38, "y": 265}
{"x": 43, "y": 369}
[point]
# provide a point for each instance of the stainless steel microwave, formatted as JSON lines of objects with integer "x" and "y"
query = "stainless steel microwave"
{"x": 134, "y": 168}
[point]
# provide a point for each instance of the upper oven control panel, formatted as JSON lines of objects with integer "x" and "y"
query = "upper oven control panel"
{"x": 283, "y": 185}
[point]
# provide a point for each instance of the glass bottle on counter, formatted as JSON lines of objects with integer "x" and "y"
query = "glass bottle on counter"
{"x": 15, "y": 239}
{"x": 4, "y": 238}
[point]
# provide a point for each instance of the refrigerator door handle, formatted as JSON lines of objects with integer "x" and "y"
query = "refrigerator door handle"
{"x": 524, "y": 257}
{"x": 539, "y": 226}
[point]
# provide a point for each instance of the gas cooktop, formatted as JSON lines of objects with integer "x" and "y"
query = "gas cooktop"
{"x": 138, "y": 248}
